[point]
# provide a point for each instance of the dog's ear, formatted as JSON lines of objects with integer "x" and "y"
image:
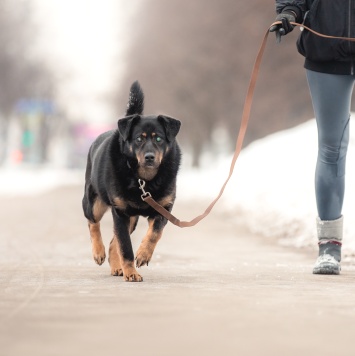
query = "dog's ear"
{"x": 126, "y": 124}
{"x": 171, "y": 126}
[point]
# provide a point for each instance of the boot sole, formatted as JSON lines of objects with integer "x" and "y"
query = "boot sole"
{"x": 330, "y": 269}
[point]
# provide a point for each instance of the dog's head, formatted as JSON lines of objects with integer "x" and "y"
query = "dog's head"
{"x": 148, "y": 139}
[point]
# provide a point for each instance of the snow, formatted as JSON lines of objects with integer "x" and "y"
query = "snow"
{"x": 31, "y": 181}
{"x": 271, "y": 190}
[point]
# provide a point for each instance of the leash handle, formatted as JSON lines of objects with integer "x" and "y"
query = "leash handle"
{"x": 243, "y": 127}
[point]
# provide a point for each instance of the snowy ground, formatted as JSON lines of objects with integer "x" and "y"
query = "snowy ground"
{"x": 271, "y": 188}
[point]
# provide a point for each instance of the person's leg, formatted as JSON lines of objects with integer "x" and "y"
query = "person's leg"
{"x": 331, "y": 98}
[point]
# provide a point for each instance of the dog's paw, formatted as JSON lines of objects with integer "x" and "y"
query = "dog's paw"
{"x": 98, "y": 253}
{"x": 143, "y": 256}
{"x": 114, "y": 261}
{"x": 116, "y": 271}
{"x": 142, "y": 260}
{"x": 130, "y": 274}
{"x": 133, "y": 277}
{"x": 99, "y": 259}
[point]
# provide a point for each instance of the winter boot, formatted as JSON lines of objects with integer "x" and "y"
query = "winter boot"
{"x": 330, "y": 235}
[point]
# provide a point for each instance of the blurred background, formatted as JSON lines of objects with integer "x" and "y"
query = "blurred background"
{"x": 66, "y": 68}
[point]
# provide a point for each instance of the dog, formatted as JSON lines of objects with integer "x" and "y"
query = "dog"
{"x": 141, "y": 148}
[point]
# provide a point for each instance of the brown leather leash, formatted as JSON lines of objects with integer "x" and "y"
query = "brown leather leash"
{"x": 146, "y": 196}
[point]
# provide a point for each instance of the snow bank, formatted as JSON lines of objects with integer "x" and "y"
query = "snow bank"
{"x": 21, "y": 181}
{"x": 272, "y": 188}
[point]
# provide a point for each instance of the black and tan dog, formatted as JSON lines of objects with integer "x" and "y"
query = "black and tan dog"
{"x": 143, "y": 147}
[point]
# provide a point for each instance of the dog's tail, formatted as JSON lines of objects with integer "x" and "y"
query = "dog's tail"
{"x": 136, "y": 100}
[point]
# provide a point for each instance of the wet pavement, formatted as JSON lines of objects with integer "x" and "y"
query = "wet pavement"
{"x": 214, "y": 289}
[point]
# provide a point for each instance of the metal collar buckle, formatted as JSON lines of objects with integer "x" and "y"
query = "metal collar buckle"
{"x": 145, "y": 194}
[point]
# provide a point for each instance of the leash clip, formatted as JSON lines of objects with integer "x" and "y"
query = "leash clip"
{"x": 145, "y": 194}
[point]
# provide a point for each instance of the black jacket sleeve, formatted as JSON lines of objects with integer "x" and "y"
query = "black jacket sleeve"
{"x": 299, "y": 7}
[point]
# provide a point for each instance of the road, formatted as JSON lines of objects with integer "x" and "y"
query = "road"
{"x": 214, "y": 289}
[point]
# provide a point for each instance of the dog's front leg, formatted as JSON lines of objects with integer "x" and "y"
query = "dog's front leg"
{"x": 114, "y": 258}
{"x": 125, "y": 251}
{"x": 150, "y": 240}
{"x": 98, "y": 248}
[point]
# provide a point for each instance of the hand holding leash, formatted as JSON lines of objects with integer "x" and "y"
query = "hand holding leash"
{"x": 285, "y": 26}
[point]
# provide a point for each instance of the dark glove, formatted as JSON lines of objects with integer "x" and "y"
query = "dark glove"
{"x": 285, "y": 27}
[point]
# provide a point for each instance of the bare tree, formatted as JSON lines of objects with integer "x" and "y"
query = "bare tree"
{"x": 194, "y": 60}
{"x": 22, "y": 75}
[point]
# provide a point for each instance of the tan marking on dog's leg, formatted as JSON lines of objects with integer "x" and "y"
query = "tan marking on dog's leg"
{"x": 147, "y": 246}
{"x": 114, "y": 258}
{"x": 120, "y": 203}
{"x": 98, "y": 248}
{"x": 167, "y": 200}
{"x": 120, "y": 266}
{"x": 132, "y": 223}
{"x": 99, "y": 209}
{"x": 130, "y": 273}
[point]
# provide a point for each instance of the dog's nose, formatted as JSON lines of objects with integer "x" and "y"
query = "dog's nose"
{"x": 149, "y": 157}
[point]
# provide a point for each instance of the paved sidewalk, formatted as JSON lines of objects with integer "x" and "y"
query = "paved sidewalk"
{"x": 209, "y": 290}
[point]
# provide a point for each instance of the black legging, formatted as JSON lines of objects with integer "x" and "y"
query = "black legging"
{"x": 331, "y": 98}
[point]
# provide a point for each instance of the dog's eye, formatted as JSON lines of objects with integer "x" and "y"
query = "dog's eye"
{"x": 139, "y": 139}
{"x": 158, "y": 139}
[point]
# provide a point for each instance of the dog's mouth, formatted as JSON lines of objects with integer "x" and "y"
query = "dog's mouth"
{"x": 149, "y": 165}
